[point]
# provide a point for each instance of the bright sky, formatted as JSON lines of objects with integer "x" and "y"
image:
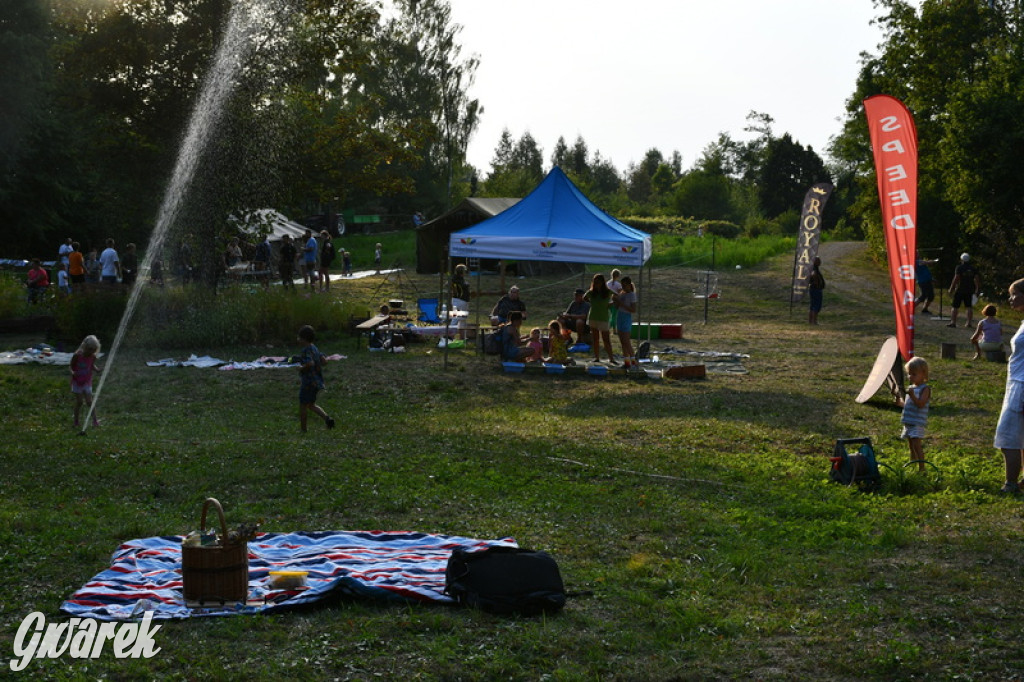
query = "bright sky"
{"x": 671, "y": 74}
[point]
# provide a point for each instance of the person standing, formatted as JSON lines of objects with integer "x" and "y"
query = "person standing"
{"x": 615, "y": 286}
{"x": 460, "y": 289}
{"x": 37, "y": 281}
{"x": 64, "y": 251}
{"x": 326, "y": 258}
{"x": 966, "y": 282}
{"x": 185, "y": 266}
{"x": 599, "y": 296}
{"x": 287, "y": 264}
{"x": 915, "y": 409}
{"x": 129, "y": 265}
{"x": 76, "y": 264}
{"x": 309, "y": 257}
{"x": 63, "y": 282}
{"x": 1009, "y": 437}
{"x": 110, "y": 264}
{"x": 816, "y": 289}
{"x": 378, "y": 256}
{"x": 926, "y": 282}
{"x": 261, "y": 261}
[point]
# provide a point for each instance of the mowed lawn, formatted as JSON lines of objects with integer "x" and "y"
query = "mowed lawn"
{"x": 697, "y": 513}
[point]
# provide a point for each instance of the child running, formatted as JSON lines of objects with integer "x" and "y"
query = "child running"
{"x": 915, "y": 409}
{"x": 83, "y": 364}
{"x": 311, "y": 362}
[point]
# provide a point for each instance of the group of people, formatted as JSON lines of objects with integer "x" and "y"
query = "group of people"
{"x": 312, "y": 256}
{"x": 75, "y": 269}
{"x": 609, "y": 304}
{"x": 964, "y": 289}
{"x": 310, "y": 360}
{"x": 315, "y": 259}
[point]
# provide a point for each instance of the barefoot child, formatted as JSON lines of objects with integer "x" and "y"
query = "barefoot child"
{"x": 311, "y": 362}
{"x": 559, "y": 351}
{"x": 626, "y": 302}
{"x": 536, "y": 345}
{"x": 915, "y": 409}
{"x": 83, "y": 364}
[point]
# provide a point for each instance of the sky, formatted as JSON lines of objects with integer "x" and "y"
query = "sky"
{"x": 669, "y": 74}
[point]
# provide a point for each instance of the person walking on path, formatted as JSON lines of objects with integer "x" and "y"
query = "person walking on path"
{"x": 816, "y": 289}
{"x": 1009, "y": 437}
{"x": 926, "y": 282}
{"x": 966, "y": 283}
{"x": 626, "y": 302}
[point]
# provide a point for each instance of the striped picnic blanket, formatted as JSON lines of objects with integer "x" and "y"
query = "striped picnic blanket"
{"x": 145, "y": 574}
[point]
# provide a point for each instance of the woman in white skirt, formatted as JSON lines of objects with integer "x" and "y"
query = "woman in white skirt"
{"x": 1010, "y": 430}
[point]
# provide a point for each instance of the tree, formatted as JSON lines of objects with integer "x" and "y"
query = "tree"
{"x": 703, "y": 194}
{"x": 517, "y": 167}
{"x": 786, "y": 173}
{"x": 560, "y": 154}
{"x": 956, "y": 65}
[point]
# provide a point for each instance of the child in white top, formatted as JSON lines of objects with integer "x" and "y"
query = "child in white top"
{"x": 915, "y": 409}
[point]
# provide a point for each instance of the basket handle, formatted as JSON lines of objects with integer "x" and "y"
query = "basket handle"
{"x": 212, "y": 502}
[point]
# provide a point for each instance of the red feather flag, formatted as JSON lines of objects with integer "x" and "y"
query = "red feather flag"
{"x": 894, "y": 144}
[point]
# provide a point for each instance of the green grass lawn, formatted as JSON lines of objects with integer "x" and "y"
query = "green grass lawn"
{"x": 698, "y": 512}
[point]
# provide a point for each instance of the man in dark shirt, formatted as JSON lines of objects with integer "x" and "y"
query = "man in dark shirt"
{"x": 574, "y": 319}
{"x": 505, "y": 305}
{"x": 966, "y": 282}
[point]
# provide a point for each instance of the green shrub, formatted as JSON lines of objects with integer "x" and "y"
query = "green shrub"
{"x": 195, "y": 318}
{"x": 96, "y": 312}
{"x": 722, "y": 228}
{"x": 670, "y": 249}
{"x": 12, "y": 295}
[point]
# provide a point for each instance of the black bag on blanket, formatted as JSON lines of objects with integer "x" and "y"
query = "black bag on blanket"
{"x": 505, "y": 580}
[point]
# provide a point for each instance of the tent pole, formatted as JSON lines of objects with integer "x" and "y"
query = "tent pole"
{"x": 446, "y": 263}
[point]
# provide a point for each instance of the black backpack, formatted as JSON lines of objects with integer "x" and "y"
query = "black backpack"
{"x": 505, "y": 580}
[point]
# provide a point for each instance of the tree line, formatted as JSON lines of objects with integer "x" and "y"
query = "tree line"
{"x": 351, "y": 104}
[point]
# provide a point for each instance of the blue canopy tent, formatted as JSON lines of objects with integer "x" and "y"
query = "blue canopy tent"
{"x": 554, "y": 222}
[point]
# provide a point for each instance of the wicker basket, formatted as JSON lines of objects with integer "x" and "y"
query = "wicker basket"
{"x": 215, "y": 573}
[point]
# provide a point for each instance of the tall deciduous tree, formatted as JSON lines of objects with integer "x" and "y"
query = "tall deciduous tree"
{"x": 956, "y": 64}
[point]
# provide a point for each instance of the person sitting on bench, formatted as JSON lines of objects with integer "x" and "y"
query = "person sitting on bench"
{"x": 505, "y": 305}
{"x": 574, "y": 319}
{"x": 512, "y": 348}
